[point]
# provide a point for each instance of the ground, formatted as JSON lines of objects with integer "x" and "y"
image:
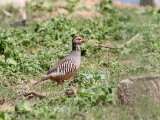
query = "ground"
{"x": 28, "y": 52}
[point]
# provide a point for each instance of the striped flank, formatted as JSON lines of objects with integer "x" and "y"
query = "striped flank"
{"x": 67, "y": 67}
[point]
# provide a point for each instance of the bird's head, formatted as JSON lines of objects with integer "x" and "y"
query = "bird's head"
{"x": 78, "y": 40}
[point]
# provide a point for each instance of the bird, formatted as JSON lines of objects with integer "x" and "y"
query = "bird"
{"x": 66, "y": 67}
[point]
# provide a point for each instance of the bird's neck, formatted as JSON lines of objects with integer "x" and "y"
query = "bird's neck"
{"x": 76, "y": 53}
{"x": 75, "y": 47}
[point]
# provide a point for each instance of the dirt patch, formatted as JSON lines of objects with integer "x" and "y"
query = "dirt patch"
{"x": 58, "y": 11}
{"x": 7, "y": 107}
{"x": 58, "y": 4}
{"x": 90, "y": 12}
{"x": 54, "y": 13}
{"x": 2, "y": 57}
{"x": 86, "y": 14}
{"x": 59, "y": 8}
{"x": 130, "y": 62}
{"x": 31, "y": 82}
{"x": 45, "y": 93}
{"x": 90, "y": 3}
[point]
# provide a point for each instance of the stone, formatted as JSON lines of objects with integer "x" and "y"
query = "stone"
{"x": 131, "y": 90}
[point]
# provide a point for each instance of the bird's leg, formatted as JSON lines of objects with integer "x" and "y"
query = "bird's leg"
{"x": 60, "y": 82}
{"x": 74, "y": 81}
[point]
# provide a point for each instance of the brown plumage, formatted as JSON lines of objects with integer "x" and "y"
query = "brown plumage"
{"x": 67, "y": 66}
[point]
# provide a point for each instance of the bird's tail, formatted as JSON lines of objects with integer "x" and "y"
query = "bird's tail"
{"x": 43, "y": 78}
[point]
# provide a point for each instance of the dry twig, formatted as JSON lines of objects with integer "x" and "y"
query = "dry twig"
{"x": 134, "y": 38}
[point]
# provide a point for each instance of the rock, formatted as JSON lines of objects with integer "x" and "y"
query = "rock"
{"x": 23, "y": 92}
{"x": 154, "y": 3}
{"x": 71, "y": 90}
{"x": 132, "y": 89}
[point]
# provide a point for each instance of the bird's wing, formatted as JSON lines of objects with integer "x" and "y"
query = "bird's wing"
{"x": 65, "y": 63}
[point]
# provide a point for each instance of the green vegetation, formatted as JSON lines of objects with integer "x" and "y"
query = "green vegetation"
{"x": 27, "y": 52}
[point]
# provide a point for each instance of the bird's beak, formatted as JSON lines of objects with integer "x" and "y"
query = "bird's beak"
{"x": 82, "y": 41}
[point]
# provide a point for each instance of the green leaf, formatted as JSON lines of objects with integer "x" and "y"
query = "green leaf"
{"x": 11, "y": 61}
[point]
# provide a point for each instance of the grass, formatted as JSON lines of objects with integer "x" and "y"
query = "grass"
{"x": 27, "y": 52}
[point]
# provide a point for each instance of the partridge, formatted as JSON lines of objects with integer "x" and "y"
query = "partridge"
{"x": 67, "y": 66}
